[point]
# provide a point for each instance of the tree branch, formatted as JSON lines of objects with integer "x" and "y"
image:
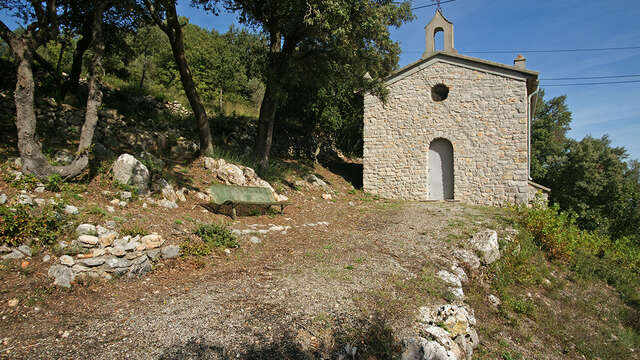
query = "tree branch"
{"x": 6, "y": 34}
{"x": 155, "y": 17}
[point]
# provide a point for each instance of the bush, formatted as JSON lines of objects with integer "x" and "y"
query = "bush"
{"x": 19, "y": 223}
{"x": 590, "y": 254}
{"x": 217, "y": 236}
{"x": 213, "y": 236}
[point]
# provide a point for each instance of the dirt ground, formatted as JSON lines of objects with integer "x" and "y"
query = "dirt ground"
{"x": 350, "y": 270}
{"x": 291, "y": 295}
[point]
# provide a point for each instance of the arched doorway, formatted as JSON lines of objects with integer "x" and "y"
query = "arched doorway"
{"x": 440, "y": 170}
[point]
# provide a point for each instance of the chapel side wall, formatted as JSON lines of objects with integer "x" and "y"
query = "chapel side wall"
{"x": 484, "y": 118}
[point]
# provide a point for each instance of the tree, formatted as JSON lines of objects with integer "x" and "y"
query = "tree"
{"x": 164, "y": 14}
{"x": 43, "y": 27}
{"x": 300, "y": 30}
{"x": 548, "y": 139}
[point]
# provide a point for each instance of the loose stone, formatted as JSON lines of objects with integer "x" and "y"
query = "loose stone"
{"x": 25, "y": 249}
{"x": 88, "y": 240}
{"x": 71, "y": 210}
{"x": 86, "y": 229}
{"x": 67, "y": 260}
{"x": 170, "y": 252}
{"x": 117, "y": 251}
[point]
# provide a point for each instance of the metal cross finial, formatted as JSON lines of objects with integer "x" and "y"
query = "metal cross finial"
{"x": 438, "y": 4}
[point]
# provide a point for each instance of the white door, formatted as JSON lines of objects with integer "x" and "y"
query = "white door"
{"x": 440, "y": 170}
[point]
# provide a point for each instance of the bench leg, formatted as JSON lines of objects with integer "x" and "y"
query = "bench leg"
{"x": 281, "y": 209}
{"x": 233, "y": 212}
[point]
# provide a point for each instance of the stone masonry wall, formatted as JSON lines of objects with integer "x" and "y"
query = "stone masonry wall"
{"x": 484, "y": 118}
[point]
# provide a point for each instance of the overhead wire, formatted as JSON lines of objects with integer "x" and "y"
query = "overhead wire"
{"x": 591, "y": 77}
{"x": 593, "y": 83}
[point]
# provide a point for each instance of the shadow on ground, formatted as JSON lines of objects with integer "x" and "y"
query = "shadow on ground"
{"x": 364, "y": 338}
{"x": 350, "y": 171}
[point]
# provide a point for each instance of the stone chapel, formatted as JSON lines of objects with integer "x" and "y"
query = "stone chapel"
{"x": 453, "y": 127}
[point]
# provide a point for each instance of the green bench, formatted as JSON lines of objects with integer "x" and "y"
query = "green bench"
{"x": 243, "y": 195}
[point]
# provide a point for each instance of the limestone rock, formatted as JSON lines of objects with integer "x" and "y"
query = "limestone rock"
{"x": 131, "y": 245}
{"x": 154, "y": 254}
{"x": 168, "y": 204}
{"x": 449, "y": 278}
{"x": 152, "y": 241}
{"x": 456, "y": 319}
{"x": 170, "y": 252}
{"x": 117, "y": 251}
{"x": 232, "y": 174}
{"x": 116, "y": 262}
{"x": 14, "y": 254}
{"x": 167, "y": 190}
{"x": 315, "y": 181}
{"x": 3, "y": 199}
{"x": 91, "y": 262}
{"x": 24, "y": 199}
{"x": 67, "y": 260}
{"x": 89, "y": 240}
{"x": 71, "y": 210}
{"x": 210, "y": 163}
{"x": 423, "y": 349}
{"x": 4, "y": 249}
{"x": 108, "y": 238}
{"x": 130, "y": 171}
{"x": 63, "y": 276}
{"x": 86, "y": 229}
{"x": 181, "y": 194}
{"x": 203, "y": 196}
{"x": 46, "y": 258}
{"x": 25, "y": 249}
{"x": 468, "y": 258}
{"x": 494, "y": 300}
{"x": 486, "y": 244}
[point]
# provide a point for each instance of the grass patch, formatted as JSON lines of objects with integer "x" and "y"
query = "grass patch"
{"x": 134, "y": 230}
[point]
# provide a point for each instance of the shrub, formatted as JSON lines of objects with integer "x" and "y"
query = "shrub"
{"x": 213, "y": 236}
{"x": 590, "y": 254}
{"x": 217, "y": 236}
{"x": 54, "y": 183}
{"x": 19, "y": 223}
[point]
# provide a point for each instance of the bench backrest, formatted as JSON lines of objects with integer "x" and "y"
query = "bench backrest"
{"x": 221, "y": 193}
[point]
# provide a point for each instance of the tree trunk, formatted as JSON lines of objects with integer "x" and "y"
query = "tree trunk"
{"x": 269, "y": 105}
{"x": 176, "y": 37}
{"x": 30, "y": 149}
{"x": 76, "y": 67}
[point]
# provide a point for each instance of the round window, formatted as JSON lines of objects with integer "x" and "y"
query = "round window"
{"x": 439, "y": 92}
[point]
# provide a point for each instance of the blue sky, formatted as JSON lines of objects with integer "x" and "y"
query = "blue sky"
{"x": 538, "y": 25}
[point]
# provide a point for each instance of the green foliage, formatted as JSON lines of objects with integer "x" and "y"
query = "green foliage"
{"x": 96, "y": 210}
{"x": 589, "y": 254}
{"x": 54, "y": 183}
{"x": 217, "y": 235}
{"x": 230, "y": 62}
{"x": 21, "y": 223}
{"x": 24, "y": 182}
{"x": 589, "y": 178}
{"x": 213, "y": 236}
